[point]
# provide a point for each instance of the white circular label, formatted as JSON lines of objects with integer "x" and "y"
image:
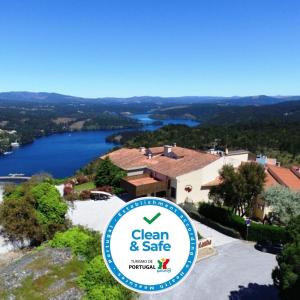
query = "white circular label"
{"x": 150, "y": 245}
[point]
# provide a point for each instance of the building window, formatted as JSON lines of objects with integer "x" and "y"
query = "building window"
{"x": 173, "y": 192}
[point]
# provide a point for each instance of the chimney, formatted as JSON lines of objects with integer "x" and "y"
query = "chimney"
{"x": 167, "y": 150}
{"x": 174, "y": 144}
{"x": 226, "y": 151}
{"x": 143, "y": 150}
{"x": 149, "y": 155}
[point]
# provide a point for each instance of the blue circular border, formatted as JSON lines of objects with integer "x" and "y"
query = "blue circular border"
{"x": 132, "y": 284}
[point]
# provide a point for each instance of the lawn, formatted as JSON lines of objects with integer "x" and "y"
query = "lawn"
{"x": 85, "y": 186}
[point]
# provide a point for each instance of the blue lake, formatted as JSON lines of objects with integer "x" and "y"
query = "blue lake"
{"x": 62, "y": 154}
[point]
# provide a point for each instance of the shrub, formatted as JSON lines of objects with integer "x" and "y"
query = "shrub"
{"x": 68, "y": 189}
{"x": 72, "y": 197}
{"x": 82, "y": 179}
{"x": 97, "y": 282}
{"x": 19, "y": 221}
{"x": 256, "y": 231}
{"x": 33, "y": 211}
{"x": 80, "y": 240}
{"x": 50, "y": 208}
{"x": 85, "y": 195}
{"x": 266, "y": 232}
{"x": 215, "y": 225}
{"x": 105, "y": 292}
{"x": 286, "y": 275}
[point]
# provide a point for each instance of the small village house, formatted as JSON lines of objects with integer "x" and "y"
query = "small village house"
{"x": 176, "y": 173}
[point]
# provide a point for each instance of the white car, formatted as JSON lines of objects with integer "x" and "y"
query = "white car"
{"x": 99, "y": 195}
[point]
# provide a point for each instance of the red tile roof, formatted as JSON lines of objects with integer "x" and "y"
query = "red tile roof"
{"x": 274, "y": 176}
{"x": 270, "y": 181}
{"x": 215, "y": 182}
{"x": 284, "y": 176}
{"x": 187, "y": 160}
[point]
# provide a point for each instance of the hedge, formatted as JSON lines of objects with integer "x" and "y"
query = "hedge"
{"x": 211, "y": 223}
{"x": 256, "y": 231}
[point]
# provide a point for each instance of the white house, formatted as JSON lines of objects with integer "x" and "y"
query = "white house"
{"x": 176, "y": 173}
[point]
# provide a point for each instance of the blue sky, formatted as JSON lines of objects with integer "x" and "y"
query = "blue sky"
{"x": 150, "y": 47}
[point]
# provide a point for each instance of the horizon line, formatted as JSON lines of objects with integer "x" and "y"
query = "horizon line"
{"x": 141, "y": 96}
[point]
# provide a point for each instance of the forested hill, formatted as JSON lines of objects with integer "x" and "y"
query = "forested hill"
{"x": 275, "y": 139}
{"x": 32, "y": 120}
{"x": 43, "y": 97}
{"x": 220, "y": 114}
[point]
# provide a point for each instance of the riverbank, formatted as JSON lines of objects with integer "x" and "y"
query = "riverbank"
{"x": 61, "y": 155}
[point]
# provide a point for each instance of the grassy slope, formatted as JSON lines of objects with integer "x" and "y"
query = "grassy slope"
{"x": 85, "y": 186}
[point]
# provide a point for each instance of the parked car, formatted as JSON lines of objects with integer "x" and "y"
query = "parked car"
{"x": 100, "y": 195}
{"x": 274, "y": 247}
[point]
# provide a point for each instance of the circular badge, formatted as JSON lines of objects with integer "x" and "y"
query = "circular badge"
{"x": 150, "y": 245}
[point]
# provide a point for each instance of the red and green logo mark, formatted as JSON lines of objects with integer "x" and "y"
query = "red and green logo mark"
{"x": 162, "y": 265}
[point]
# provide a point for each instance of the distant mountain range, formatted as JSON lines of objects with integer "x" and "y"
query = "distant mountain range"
{"x": 240, "y": 101}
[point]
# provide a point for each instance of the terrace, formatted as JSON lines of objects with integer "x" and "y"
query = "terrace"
{"x": 142, "y": 185}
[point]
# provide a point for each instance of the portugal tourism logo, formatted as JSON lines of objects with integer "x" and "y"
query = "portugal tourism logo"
{"x": 162, "y": 265}
{"x": 150, "y": 245}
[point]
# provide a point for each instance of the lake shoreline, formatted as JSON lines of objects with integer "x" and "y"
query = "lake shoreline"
{"x": 62, "y": 154}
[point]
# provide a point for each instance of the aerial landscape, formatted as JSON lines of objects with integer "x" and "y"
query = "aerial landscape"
{"x": 104, "y": 105}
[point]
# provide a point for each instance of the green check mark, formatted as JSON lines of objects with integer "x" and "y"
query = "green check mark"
{"x": 153, "y": 219}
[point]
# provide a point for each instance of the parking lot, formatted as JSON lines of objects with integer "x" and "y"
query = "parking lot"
{"x": 238, "y": 272}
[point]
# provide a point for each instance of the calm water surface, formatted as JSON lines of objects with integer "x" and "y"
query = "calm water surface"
{"x": 62, "y": 154}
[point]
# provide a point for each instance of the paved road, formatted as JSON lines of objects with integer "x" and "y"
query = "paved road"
{"x": 237, "y": 272}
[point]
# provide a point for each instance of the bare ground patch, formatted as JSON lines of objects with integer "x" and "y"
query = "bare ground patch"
{"x": 63, "y": 120}
{"x": 77, "y": 125}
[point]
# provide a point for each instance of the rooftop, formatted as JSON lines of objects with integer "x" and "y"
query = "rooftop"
{"x": 274, "y": 176}
{"x": 179, "y": 161}
{"x": 270, "y": 181}
{"x": 237, "y": 152}
{"x": 285, "y": 177}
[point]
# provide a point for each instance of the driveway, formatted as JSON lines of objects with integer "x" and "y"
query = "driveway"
{"x": 237, "y": 272}
{"x": 218, "y": 239}
{"x": 94, "y": 214}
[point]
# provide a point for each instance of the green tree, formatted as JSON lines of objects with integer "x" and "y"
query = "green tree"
{"x": 239, "y": 189}
{"x": 19, "y": 221}
{"x": 287, "y": 274}
{"x": 109, "y": 174}
{"x": 285, "y": 203}
{"x": 32, "y": 211}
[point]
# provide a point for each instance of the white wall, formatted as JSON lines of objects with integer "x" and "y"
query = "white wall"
{"x": 236, "y": 159}
{"x": 202, "y": 176}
